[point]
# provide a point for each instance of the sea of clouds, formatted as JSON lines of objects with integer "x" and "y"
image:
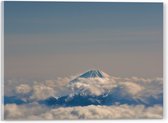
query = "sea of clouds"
{"x": 39, "y": 112}
{"x": 138, "y": 88}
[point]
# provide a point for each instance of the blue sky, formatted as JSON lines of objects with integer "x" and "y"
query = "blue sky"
{"x": 51, "y": 39}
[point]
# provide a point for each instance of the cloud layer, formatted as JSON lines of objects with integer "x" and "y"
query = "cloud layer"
{"x": 32, "y": 92}
{"x": 135, "y": 87}
{"x": 38, "y": 112}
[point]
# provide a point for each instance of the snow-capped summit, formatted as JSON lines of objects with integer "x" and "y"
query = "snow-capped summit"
{"x": 92, "y": 74}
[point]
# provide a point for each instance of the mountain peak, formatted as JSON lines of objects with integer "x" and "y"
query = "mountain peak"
{"x": 93, "y": 73}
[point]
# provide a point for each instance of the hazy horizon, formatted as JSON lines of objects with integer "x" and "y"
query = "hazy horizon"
{"x": 55, "y": 39}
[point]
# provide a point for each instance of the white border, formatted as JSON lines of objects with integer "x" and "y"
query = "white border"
{"x": 2, "y": 60}
{"x": 156, "y": 1}
{"x": 165, "y": 52}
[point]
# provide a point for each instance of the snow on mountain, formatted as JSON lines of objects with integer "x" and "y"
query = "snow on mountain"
{"x": 92, "y": 74}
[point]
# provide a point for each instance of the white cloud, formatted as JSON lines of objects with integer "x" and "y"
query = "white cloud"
{"x": 37, "y": 112}
{"x": 23, "y": 89}
{"x": 36, "y": 90}
{"x": 131, "y": 87}
{"x": 27, "y": 111}
{"x": 135, "y": 87}
{"x": 11, "y": 111}
{"x": 40, "y": 91}
{"x": 48, "y": 88}
{"x": 92, "y": 86}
